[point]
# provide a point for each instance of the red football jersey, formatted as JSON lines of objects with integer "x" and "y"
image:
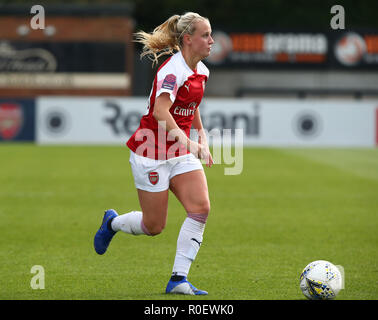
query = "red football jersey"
{"x": 185, "y": 88}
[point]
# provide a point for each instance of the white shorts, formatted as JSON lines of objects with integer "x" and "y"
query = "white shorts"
{"x": 154, "y": 175}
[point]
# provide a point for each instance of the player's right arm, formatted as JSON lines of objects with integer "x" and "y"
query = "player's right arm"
{"x": 162, "y": 115}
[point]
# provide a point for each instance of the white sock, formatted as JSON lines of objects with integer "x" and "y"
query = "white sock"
{"x": 188, "y": 244}
{"x": 131, "y": 223}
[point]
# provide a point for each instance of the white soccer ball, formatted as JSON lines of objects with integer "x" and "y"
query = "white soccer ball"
{"x": 321, "y": 280}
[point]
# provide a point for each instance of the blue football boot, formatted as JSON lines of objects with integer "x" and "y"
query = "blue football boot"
{"x": 183, "y": 287}
{"x": 105, "y": 234}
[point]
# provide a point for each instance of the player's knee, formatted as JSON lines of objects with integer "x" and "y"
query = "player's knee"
{"x": 155, "y": 229}
{"x": 201, "y": 212}
{"x": 204, "y": 207}
{"x": 199, "y": 207}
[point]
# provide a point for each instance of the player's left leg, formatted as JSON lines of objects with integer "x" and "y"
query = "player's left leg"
{"x": 191, "y": 190}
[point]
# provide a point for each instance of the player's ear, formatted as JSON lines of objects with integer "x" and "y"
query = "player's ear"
{"x": 187, "y": 39}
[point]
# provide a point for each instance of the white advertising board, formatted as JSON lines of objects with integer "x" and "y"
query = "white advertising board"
{"x": 295, "y": 122}
{"x": 101, "y": 120}
{"x": 89, "y": 120}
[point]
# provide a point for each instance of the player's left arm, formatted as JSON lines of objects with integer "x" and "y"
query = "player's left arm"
{"x": 202, "y": 139}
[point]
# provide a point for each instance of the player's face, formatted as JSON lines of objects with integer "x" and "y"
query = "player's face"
{"x": 201, "y": 39}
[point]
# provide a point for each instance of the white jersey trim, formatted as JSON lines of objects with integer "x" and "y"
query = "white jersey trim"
{"x": 174, "y": 74}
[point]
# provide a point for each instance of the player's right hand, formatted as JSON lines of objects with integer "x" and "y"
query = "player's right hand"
{"x": 201, "y": 151}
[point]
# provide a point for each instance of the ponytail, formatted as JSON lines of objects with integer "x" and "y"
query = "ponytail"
{"x": 166, "y": 39}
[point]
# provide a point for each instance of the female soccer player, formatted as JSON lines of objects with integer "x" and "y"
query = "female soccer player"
{"x": 162, "y": 155}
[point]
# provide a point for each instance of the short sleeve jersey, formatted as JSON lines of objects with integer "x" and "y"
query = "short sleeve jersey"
{"x": 185, "y": 88}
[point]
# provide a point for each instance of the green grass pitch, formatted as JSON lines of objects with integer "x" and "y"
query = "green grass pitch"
{"x": 287, "y": 208}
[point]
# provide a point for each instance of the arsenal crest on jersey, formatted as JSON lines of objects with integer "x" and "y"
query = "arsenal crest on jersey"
{"x": 154, "y": 177}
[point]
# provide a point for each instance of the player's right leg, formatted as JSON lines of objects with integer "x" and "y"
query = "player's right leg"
{"x": 150, "y": 221}
{"x": 153, "y": 199}
{"x": 154, "y": 206}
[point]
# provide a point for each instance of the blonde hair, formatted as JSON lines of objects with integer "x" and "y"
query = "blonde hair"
{"x": 166, "y": 39}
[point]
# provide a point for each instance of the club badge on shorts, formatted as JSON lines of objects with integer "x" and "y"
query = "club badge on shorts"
{"x": 154, "y": 177}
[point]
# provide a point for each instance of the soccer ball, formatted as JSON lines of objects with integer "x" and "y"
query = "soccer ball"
{"x": 320, "y": 280}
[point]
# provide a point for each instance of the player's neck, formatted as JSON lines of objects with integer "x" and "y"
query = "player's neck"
{"x": 190, "y": 60}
